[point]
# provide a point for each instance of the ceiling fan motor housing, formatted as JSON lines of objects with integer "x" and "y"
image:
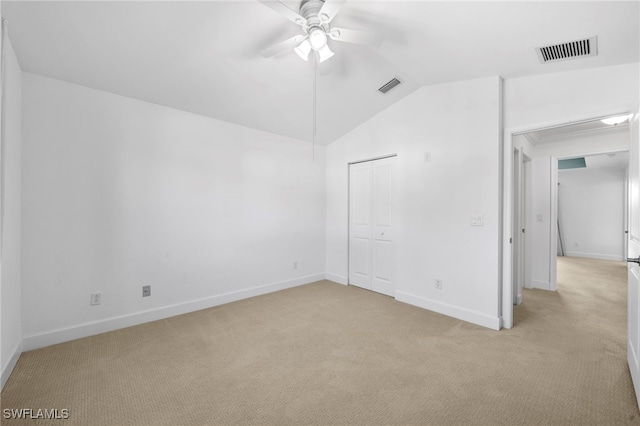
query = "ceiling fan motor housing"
{"x": 310, "y": 10}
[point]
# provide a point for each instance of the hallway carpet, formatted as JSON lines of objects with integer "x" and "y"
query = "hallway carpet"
{"x": 324, "y": 353}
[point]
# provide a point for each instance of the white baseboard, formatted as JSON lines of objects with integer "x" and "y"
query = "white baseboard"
{"x": 601, "y": 256}
{"x": 450, "y": 310}
{"x": 96, "y": 327}
{"x": 634, "y": 369}
{"x": 10, "y": 364}
{"x": 542, "y": 285}
{"x": 336, "y": 278}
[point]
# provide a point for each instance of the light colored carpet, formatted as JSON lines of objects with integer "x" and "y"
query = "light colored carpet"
{"x": 329, "y": 354}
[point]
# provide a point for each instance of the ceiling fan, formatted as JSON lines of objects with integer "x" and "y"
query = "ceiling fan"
{"x": 315, "y": 18}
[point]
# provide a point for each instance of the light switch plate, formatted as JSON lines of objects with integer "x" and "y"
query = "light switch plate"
{"x": 477, "y": 221}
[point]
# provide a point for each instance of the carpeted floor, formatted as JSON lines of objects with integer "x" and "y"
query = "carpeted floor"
{"x": 329, "y": 354}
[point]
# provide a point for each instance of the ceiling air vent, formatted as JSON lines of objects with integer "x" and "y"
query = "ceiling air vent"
{"x": 569, "y": 50}
{"x": 389, "y": 85}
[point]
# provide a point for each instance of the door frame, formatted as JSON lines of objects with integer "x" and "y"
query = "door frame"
{"x": 382, "y": 157}
{"x": 521, "y": 192}
{"x": 516, "y": 245}
{"x": 505, "y": 294}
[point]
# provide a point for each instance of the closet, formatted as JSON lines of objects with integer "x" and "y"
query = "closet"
{"x": 370, "y": 225}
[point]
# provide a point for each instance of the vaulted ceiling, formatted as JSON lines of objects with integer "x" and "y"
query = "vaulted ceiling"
{"x": 203, "y": 57}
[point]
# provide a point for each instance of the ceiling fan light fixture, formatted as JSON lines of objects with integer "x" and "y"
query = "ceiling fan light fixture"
{"x": 303, "y": 50}
{"x": 324, "y": 54}
{"x": 317, "y": 38}
{"x": 614, "y": 121}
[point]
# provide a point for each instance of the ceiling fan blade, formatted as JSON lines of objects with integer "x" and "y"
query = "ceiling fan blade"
{"x": 283, "y": 10}
{"x": 283, "y": 45}
{"x": 329, "y": 10}
{"x": 355, "y": 36}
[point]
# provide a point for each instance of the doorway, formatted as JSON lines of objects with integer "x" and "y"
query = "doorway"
{"x": 370, "y": 225}
{"x": 591, "y": 206}
{"x": 530, "y": 261}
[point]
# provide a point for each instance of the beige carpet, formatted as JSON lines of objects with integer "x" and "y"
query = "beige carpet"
{"x": 329, "y": 354}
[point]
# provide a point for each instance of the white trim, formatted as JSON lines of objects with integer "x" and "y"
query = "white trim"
{"x": 553, "y": 225}
{"x": 633, "y": 367}
{"x": 340, "y": 279}
{"x": 615, "y": 257}
{"x": 7, "y": 369}
{"x": 542, "y": 285}
{"x": 372, "y": 159}
{"x": 468, "y": 315}
{"x": 96, "y": 327}
{"x": 507, "y": 228}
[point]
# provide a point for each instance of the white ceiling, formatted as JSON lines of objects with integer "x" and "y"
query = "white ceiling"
{"x": 616, "y": 160}
{"x": 203, "y": 57}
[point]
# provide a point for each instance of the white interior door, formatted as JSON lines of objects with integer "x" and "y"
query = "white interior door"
{"x": 517, "y": 226}
{"x": 381, "y": 231}
{"x": 633, "y": 301}
{"x": 360, "y": 225}
{"x": 370, "y": 231}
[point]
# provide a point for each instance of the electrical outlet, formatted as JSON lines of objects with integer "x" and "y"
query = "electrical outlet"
{"x": 96, "y": 298}
{"x": 438, "y": 284}
{"x": 146, "y": 290}
{"x": 427, "y": 157}
{"x": 295, "y": 265}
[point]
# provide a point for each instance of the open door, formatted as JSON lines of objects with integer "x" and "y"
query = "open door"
{"x": 518, "y": 226}
{"x": 633, "y": 298}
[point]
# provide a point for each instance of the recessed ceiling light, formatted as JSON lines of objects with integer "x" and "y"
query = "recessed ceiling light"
{"x": 613, "y": 121}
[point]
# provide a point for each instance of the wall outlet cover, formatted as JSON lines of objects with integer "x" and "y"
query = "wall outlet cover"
{"x": 96, "y": 299}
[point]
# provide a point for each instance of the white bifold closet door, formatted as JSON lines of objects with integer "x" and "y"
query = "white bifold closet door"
{"x": 370, "y": 232}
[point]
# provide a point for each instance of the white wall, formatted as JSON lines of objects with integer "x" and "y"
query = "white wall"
{"x": 540, "y": 101}
{"x": 591, "y": 212}
{"x": 459, "y": 124}
{"x": 119, "y": 193}
{"x": 10, "y": 290}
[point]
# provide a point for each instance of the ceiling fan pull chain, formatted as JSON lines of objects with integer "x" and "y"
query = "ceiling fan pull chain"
{"x": 315, "y": 76}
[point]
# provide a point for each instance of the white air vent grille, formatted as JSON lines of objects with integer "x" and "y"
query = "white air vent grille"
{"x": 389, "y": 85}
{"x": 569, "y": 50}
